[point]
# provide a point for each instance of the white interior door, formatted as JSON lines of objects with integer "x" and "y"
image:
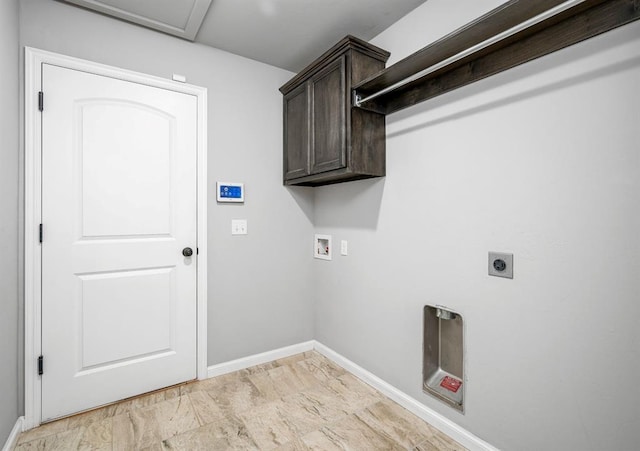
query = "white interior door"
{"x": 118, "y": 208}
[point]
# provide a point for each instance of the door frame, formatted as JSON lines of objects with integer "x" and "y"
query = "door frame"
{"x": 34, "y": 58}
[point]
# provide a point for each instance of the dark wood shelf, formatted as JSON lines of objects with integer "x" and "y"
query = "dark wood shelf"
{"x": 577, "y": 23}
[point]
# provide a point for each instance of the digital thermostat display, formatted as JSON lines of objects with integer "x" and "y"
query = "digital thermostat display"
{"x": 230, "y": 192}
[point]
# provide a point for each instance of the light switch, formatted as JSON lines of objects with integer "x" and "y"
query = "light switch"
{"x": 238, "y": 227}
{"x": 344, "y": 249}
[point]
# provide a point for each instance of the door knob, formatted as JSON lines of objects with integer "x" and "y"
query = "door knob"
{"x": 187, "y": 252}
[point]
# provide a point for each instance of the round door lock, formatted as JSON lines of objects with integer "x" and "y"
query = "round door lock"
{"x": 499, "y": 264}
{"x": 187, "y": 252}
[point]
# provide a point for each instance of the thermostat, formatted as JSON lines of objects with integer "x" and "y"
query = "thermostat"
{"x": 230, "y": 192}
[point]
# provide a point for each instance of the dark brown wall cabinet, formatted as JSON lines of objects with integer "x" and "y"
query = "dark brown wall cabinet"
{"x": 325, "y": 139}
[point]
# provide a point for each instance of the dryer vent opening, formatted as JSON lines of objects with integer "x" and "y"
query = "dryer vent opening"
{"x": 443, "y": 356}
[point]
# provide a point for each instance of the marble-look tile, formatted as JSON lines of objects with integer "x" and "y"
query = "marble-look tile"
{"x": 88, "y": 418}
{"x": 96, "y": 436}
{"x": 298, "y": 403}
{"x": 146, "y": 400}
{"x": 206, "y": 408}
{"x": 349, "y": 434}
{"x": 311, "y": 409}
{"x": 267, "y": 426}
{"x": 280, "y": 422}
{"x": 293, "y": 359}
{"x": 426, "y": 446}
{"x": 283, "y": 380}
{"x": 355, "y": 393}
{"x": 300, "y": 376}
{"x": 224, "y": 435}
{"x": 148, "y": 426}
{"x": 206, "y": 384}
{"x": 321, "y": 368}
{"x": 440, "y": 442}
{"x": 260, "y": 368}
{"x": 265, "y": 386}
{"x": 93, "y": 424}
{"x": 397, "y": 423}
{"x": 231, "y": 398}
{"x": 215, "y": 382}
{"x": 43, "y": 431}
{"x": 62, "y": 441}
{"x": 294, "y": 445}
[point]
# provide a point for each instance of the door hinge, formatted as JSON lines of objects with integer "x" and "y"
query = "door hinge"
{"x": 197, "y": 251}
{"x": 40, "y": 232}
{"x": 40, "y": 366}
{"x": 41, "y": 101}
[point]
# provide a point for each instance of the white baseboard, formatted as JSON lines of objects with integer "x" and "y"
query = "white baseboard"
{"x": 13, "y": 436}
{"x": 258, "y": 359}
{"x": 462, "y": 436}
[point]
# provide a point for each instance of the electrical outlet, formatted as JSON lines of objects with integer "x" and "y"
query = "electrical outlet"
{"x": 501, "y": 265}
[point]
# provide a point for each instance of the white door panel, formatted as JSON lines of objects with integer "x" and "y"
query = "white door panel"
{"x": 119, "y": 205}
{"x": 134, "y": 205}
{"x": 145, "y": 302}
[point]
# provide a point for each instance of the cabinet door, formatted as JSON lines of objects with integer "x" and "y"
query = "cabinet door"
{"x": 328, "y": 107}
{"x": 296, "y": 133}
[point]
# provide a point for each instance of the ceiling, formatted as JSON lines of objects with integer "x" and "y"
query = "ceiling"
{"x": 284, "y": 33}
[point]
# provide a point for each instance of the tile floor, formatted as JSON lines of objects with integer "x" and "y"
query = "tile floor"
{"x": 303, "y": 402}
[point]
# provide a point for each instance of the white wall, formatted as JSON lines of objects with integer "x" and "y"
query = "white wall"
{"x": 258, "y": 284}
{"x": 542, "y": 161}
{"x": 9, "y": 151}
